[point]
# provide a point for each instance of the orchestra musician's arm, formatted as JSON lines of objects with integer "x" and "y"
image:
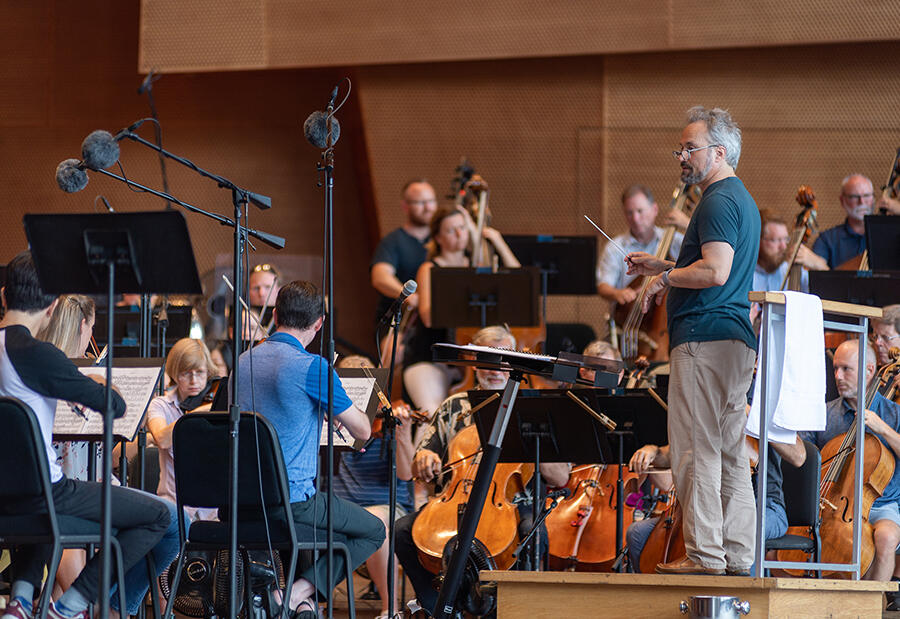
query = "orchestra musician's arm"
{"x": 647, "y": 456}
{"x": 877, "y": 425}
{"x": 356, "y": 422}
{"x": 556, "y": 474}
{"x": 506, "y": 255}
{"x": 609, "y": 268}
{"x": 891, "y": 206}
{"x": 383, "y": 276}
{"x": 405, "y": 448}
{"x": 423, "y": 278}
{"x": 811, "y": 260}
{"x": 792, "y": 453}
{"x": 159, "y": 429}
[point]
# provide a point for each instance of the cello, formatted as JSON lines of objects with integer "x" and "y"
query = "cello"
{"x": 438, "y": 522}
{"x": 837, "y": 490}
{"x": 582, "y": 529}
{"x": 653, "y": 340}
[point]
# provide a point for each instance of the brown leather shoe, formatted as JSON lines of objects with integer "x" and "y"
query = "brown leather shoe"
{"x": 686, "y": 566}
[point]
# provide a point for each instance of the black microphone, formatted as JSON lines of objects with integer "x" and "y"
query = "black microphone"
{"x": 315, "y": 128}
{"x": 147, "y": 84}
{"x": 100, "y": 149}
{"x": 408, "y": 288}
{"x": 562, "y": 493}
{"x": 70, "y": 175}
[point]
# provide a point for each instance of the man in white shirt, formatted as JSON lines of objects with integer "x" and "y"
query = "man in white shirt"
{"x": 643, "y": 234}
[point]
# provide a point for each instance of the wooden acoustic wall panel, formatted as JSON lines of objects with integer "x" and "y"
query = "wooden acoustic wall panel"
{"x": 78, "y": 74}
{"x": 202, "y": 35}
{"x": 697, "y": 24}
{"x": 531, "y": 128}
{"x": 207, "y": 35}
{"x": 516, "y": 121}
{"x": 810, "y": 115}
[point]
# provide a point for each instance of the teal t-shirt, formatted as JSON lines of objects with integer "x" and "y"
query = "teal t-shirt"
{"x": 726, "y": 213}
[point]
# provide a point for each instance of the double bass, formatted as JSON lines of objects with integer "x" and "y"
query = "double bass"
{"x": 837, "y": 490}
{"x": 647, "y": 334}
{"x": 804, "y": 227}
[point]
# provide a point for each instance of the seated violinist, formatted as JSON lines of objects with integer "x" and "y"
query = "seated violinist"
{"x": 431, "y": 457}
{"x": 882, "y": 418}
{"x": 190, "y": 370}
{"x": 364, "y": 478}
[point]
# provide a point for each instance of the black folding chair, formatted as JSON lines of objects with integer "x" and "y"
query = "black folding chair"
{"x": 201, "y": 442}
{"x": 24, "y": 459}
{"x": 801, "y": 492}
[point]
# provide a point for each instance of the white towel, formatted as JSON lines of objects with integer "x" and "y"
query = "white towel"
{"x": 797, "y": 360}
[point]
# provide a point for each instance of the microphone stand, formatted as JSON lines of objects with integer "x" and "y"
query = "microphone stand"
{"x": 326, "y": 166}
{"x": 389, "y": 424}
{"x": 240, "y": 198}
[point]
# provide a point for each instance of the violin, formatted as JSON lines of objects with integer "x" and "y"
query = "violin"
{"x": 804, "y": 227}
{"x": 837, "y": 489}
{"x": 582, "y": 530}
{"x": 652, "y": 340}
{"x": 438, "y": 522}
{"x": 415, "y": 416}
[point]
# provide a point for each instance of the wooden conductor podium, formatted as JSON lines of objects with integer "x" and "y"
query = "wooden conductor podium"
{"x": 555, "y": 594}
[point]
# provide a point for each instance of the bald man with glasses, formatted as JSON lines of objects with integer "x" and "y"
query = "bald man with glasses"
{"x": 839, "y": 244}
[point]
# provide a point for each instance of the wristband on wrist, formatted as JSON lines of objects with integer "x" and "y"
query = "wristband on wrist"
{"x": 665, "y": 277}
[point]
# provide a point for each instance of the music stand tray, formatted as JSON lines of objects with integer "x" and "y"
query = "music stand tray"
{"x": 466, "y": 297}
{"x": 570, "y": 262}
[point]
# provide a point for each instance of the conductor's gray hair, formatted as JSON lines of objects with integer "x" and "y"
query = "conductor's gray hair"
{"x": 722, "y": 130}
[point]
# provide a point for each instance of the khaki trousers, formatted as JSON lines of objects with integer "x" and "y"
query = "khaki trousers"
{"x": 707, "y": 396}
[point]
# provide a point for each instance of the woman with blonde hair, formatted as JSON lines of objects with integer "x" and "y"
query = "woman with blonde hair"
{"x": 190, "y": 369}
{"x": 70, "y": 329}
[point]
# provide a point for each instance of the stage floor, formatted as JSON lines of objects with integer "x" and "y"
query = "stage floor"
{"x": 579, "y": 594}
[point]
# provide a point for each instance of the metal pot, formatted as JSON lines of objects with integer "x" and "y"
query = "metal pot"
{"x": 715, "y": 607}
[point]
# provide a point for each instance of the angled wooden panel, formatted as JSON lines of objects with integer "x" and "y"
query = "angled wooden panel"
{"x": 697, "y": 24}
{"x": 202, "y": 35}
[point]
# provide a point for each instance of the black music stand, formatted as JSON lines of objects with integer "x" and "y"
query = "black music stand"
{"x": 883, "y": 242}
{"x": 112, "y": 253}
{"x": 574, "y": 435}
{"x": 466, "y": 297}
{"x": 859, "y": 287}
{"x": 568, "y": 264}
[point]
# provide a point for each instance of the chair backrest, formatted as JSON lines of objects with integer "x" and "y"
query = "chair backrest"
{"x": 201, "y": 446}
{"x": 23, "y": 457}
{"x": 801, "y": 489}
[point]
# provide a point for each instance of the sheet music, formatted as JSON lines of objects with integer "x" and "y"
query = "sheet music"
{"x": 360, "y": 390}
{"x": 135, "y": 384}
